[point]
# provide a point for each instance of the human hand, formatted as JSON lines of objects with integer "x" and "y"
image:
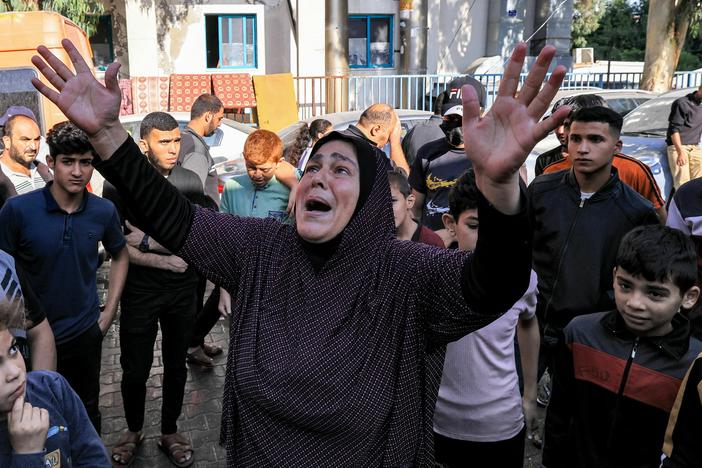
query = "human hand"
{"x": 105, "y": 320}
{"x": 135, "y": 235}
{"x": 27, "y": 427}
{"x": 682, "y": 159}
{"x": 530, "y": 416}
{"x": 86, "y": 102}
{"x": 174, "y": 263}
{"x": 498, "y": 143}
{"x": 290, "y": 209}
{"x": 396, "y": 132}
{"x": 225, "y": 303}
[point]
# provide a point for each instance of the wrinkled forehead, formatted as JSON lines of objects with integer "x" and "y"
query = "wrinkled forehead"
{"x": 338, "y": 149}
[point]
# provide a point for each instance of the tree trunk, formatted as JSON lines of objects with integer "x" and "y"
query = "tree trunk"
{"x": 668, "y": 21}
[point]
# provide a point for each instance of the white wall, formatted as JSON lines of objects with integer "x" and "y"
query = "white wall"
{"x": 141, "y": 37}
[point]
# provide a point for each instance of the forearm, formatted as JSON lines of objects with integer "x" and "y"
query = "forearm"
{"x": 146, "y": 259}
{"x": 42, "y": 346}
{"x": 498, "y": 272}
{"x": 662, "y": 214}
{"x": 677, "y": 142}
{"x": 397, "y": 155}
{"x": 160, "y": 210}
{"x": 529, "y": 341}
{"x": 117, "y": 277}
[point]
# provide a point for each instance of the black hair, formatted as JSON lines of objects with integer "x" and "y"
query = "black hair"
{"x": 580, "y": 101}
{"x": 304, "y": 136}
{"x": 599, "y": 114}
{"x": 398, "y": 177}
{"x": 7, "y": 129}
{"x": 205, "y": 103}
{"x": 659, "y": 253}
{"x": 464, "y": 195}
{"x": 65, "y": 138}
{"x": 159, "y": 121}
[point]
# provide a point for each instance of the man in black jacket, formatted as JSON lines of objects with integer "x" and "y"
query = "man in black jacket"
{"x": 578, "y": 218}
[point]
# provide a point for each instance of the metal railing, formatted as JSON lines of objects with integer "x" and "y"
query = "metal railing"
{"x": 319, "y": 95}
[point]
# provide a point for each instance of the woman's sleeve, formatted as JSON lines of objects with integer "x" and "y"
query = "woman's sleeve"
{"x": 157, "y": 206}
{"x": 215, "y": 244}
{"x": 462, "y": 292}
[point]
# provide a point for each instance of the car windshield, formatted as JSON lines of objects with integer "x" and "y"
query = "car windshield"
{"x": 652, "y": 116}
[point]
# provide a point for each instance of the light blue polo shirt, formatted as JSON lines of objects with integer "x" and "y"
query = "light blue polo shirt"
{"x": 59, "y": 254}
{"x": 241, "y": 197}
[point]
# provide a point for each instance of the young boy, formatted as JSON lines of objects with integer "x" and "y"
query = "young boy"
{"x": 407, "y": 228}
{"x": 43, "y": 423}
{"x": 258, "y": 193}
{"x": 626, "y": 365}
{"x": 480, "y": 417}
{"x": 53, "y": 234}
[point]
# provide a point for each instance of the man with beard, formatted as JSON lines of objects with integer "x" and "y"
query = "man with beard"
{"x": 20, "y": 172}
{"x": 435, "y": 170}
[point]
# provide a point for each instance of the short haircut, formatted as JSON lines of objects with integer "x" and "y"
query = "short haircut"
{"x": 205, "y": 103}
{"x": 377, "y": 114}
{"x": 262, "y": 146}
{"x": 580, "y": 101}
{"x": 159, "y": 121}
{"x": 464, "y": 195}
{"x": 398, "y": 179}
{"x": 659, "y": 253}
{"x": 599, "y": 114}
{"x": 7, "y": 129}
{"x": 67, "y": 139}
{"x": 318, "y": 126}
{"x": 11, "y": 315}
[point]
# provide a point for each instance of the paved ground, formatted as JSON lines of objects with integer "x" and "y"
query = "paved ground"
{"x": 202, "y": 406}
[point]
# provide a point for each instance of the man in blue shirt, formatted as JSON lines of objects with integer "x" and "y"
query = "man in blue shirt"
{"x": 53, "y": 233}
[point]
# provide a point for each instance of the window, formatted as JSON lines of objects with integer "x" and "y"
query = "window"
{"x": 231, "y": 41}
{"x": 17, "y": 90}
{"x": 370, "y": 41}
{"x": 101, "y": 43}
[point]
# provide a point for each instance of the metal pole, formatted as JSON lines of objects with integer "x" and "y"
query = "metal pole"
{"x": 336, "y": 35}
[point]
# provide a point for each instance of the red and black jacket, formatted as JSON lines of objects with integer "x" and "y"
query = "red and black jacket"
{"x": 620, "y": 390}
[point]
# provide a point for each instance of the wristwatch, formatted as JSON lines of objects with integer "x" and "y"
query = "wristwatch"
{"x": 144, "y": 245}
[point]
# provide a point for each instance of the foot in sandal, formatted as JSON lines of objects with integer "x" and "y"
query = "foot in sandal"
{"x": 177, "y": 448}
{"x": 124, "y": 453}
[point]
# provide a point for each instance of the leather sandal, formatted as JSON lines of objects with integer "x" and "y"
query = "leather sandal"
{"x": 124, "y": 453}
{"x": 178, "y": 450}
{"x": 212, "y": 350}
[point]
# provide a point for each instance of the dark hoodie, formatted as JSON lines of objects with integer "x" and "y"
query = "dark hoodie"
{"x": 335, "y": 363}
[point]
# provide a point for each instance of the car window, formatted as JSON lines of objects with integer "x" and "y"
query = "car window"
{"x": 651, "y": 116}
{"x": 215, "y": 139}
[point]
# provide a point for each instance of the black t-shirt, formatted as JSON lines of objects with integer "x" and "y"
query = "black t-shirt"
{"x": 155, "y": 279}
{"x": 420, "y": 135}
{"x": 435, "y": 170}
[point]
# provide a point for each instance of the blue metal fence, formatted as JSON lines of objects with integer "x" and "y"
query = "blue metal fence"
{"x": 419, "y": 92}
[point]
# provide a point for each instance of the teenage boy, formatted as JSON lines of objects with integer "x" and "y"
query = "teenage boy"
{"x": 480, "y": 417}
{"x": 578, "y": 218}
{"x": 53, "y": 233}
{"x": 160, "y": 289}
{"x": 43, "y": 422}
{"x": 407, "y": 228}
{"x": 258, "y": 193}
{"x": 625, "y": 366}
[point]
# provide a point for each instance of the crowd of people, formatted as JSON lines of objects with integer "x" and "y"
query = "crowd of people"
{"x": 391, "y": 301}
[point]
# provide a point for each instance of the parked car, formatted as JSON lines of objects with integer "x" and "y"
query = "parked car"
{"x": 622, "y": 101}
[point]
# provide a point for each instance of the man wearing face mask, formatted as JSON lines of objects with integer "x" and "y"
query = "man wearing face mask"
{"x": 435, "y": 170}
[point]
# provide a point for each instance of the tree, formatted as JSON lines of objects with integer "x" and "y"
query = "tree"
{"x": 621, "y": 32}
{"x": 586, "y": 19}
{"x": 668, "y": 23}
{"x": 85, "y": 13}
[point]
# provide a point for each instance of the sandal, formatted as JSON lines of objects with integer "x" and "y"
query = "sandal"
{"x": 124, "y": 453}
{"x": 212, "y": 350}
{"x": 179, "y": 451}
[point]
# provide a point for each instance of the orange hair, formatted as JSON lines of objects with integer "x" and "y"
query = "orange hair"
{"x": 262, "y": 146}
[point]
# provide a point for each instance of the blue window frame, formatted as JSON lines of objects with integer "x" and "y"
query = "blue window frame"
{"x": 370, "y": 41}
{"x": 231, "y": 41}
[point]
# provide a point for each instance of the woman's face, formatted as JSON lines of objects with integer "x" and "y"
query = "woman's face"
{"x": 328, "y": 192}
